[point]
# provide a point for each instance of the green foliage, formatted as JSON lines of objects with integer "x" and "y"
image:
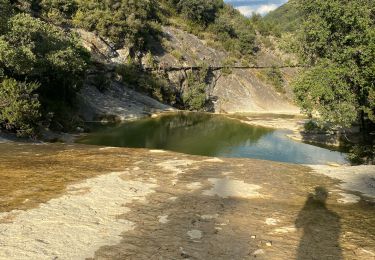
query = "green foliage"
{"x": 59, "y": 11}
{"x": 19, "y": 106}
{"x": 6, "y": 11}
{"x": 124, "y": 21}
{"x": 234, "y": 31}
{"x": 275, "y": 77}
{"x": 220, "y": 24}
{"x": 324, "y": 89}
{"x": 150, "y": 61}
{"x": 200, "y": 11}
{"x": 338, "y": 40}
{"x": 362, "y": 154}
{"x": 40, "y": 52}
{"x": 310, "y": 126}
{"x": 227, "y": 64}
{"x": 37, "y": 53}
{"x": 178, "y": 55}
{"x": 154, "y": 85}
{"x": 194, "y": 97}
{"x": 286, "y": 18}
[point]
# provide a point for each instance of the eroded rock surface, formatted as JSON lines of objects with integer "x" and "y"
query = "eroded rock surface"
{"x": 76, "y": 202}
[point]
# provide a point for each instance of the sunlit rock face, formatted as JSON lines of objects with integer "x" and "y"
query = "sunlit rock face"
{"x": 241, "y": 91}
{"x": 77, "y": 201}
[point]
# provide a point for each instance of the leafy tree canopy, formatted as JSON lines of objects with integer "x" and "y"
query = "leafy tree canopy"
{"x": 337, "y": 40}
{"x": 40, "y": 64}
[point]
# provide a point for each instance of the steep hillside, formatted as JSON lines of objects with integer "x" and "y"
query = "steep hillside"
{"x": 112, "y": 56}
{"x": 226, "y": 90}
{"x": 286, "y": 18}
{"x": 239, "y": 90}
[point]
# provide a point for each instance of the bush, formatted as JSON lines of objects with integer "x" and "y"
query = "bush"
{"x": 201, "y": 11}
{"x": 59, "y": 11}
{"x": 275, "y": 77}
{"x": 46, "y": 61}
{"x": 194, "y": 97}
{"x": 37, "y": 51}
{"x": 19, "y": 106}
{"x": 178, "y": 55}
{"x": 154, "y": 85}
{"x": 122, "y": 22}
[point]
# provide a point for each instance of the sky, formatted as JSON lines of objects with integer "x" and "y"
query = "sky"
{"x": 247, "y": 7}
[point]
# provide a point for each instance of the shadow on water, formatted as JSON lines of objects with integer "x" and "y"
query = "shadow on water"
{"x": 321, "y": 229}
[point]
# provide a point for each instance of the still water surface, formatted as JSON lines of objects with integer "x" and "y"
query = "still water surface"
{"x": 210, "y": 135}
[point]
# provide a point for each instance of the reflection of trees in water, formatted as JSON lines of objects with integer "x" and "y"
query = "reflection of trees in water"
{"x": 194, "y": 133}
{"x": 321, "y": 229}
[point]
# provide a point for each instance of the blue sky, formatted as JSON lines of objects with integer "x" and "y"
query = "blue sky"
{"x": 247, "y": 7}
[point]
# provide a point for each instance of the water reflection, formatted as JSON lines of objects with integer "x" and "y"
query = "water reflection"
{"x": 210, "y": 135}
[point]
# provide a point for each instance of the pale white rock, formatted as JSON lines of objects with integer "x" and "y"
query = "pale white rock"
{"x": 354, "y": 178}
{"x": 258, "y": 252}
{"x": 157, "y": 151}
{"x": 208, "y": 217}
{"x": 232, "y": 188}
{"x": 284, "y": 230}
{"x": 195, "y": 234}
{"x": 194, "y": 186}
{"x": 218, "y": 160}
{"x": 163, "y": 219}
{"x": 348, "y": 198}
{"x": 73, "y": 226}
{"x": 271, "y": 221}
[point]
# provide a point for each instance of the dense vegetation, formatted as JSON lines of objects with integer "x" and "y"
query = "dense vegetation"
{"x": 42, "y": 64}
{"x": 286, "y": 18}
{"x": 220, "y": 24}
{"x": 42, "y": 67}
{"x": 337, "y": 41}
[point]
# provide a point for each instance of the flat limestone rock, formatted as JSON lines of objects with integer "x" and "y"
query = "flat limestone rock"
{"x": 76, "y": 201}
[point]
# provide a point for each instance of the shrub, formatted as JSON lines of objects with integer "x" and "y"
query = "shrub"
{"x": 194, "y": 97}
{"x": 275, "y": 77}
{"x": 41, "y": 52}
{"x": 178, "y": 55}
{"x": 122, "y": 22}
{"x": 19, "y": 106}
{"x": 154, "y": 85}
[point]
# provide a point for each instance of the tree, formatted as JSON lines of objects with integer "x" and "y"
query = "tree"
{"x": 195, "y": 97}
{"x": 123, "y": 22}
{"x": 42, "y": 68}
{"x": 34, "y": 50}
{"x": 6, "y": 11}
{"x": 337, "y": 40}
{"x": 60, "y": 11}
{"x": 19, "y": 106}
{"x": 200, "y": 11}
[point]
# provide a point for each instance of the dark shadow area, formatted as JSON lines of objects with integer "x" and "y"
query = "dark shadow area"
{"x": 357, "y": 142}
{"x": 321, "y": 229}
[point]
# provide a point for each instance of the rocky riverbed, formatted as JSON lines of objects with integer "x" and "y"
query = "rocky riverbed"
{"x": 75, "y": 202}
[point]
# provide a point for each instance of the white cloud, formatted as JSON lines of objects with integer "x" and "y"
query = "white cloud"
{"x": 261, "y": 9}
{"x": 246, "y": 10}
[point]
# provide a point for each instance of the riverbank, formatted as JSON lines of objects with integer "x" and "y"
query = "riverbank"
{"x": 118, "y": 203}
{"x": 292, "y": 122}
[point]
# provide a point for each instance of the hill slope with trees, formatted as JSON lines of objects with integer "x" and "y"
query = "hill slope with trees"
{"x": 44, "y": 62}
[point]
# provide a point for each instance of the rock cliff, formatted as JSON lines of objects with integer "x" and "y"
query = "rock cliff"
{"x": 239, "y": 90}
